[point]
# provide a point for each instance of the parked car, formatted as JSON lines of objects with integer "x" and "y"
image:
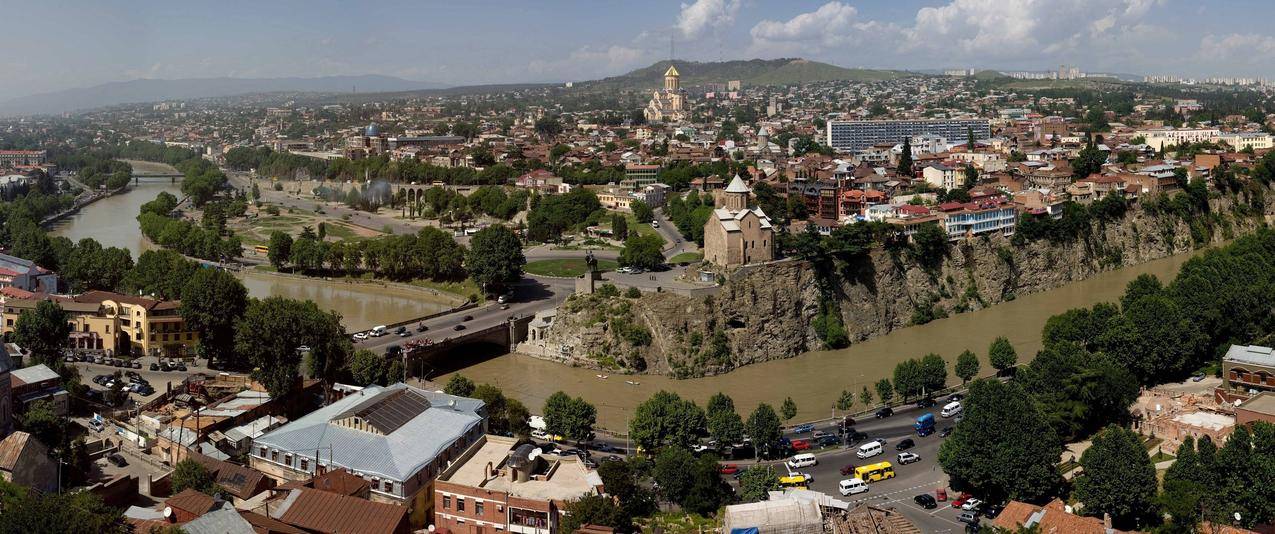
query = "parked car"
{"x": 967, "y": 517}
{"x": 908, "y": 457}
{"x": 95, "y": 425}
{"x": 458, "y": 327}
{"x": 467, "y": 318}
{"x": 924, "y": 500}
{"x": 971, "y": 504}
{"x": 154, "y": 367}
{"x": 990, "y": 510}
{"x": 955, "y": 397}
{"x": 800, "y": 445}
{"x": 1197, "y": 377}
{"x": 729, "y": 469}
{"x": 947, "y": 431}
{"x": 960, "y": 499}
{"x": 925, "y": 403}
{"x": 854, "y": 436}
{"x": 905, "y": 444}
{"x": 847, "y": 469}
{"x": 117, "y": 459}
{"x": 360, "y": 336}
{"x": 828, "y": 440}
{"x": 884, "y": 412}
{"x": 802, "y": 429}
{"x": 137, "y": 364}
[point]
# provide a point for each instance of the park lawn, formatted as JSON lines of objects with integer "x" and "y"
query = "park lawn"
{"x": 567, "y": 267}
{"x": 687, "y": 257}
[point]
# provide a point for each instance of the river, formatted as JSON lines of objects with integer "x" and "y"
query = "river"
{"x": 815, "y": 380}
{"x": 112, "y": 222}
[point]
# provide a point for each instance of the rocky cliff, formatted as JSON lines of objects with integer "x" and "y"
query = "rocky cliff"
{"x": 770, "y": 311}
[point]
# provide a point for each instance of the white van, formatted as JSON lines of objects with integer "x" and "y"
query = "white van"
{"x": 852, "y": 486}
{"x": 802, "y": 460}
{"x": 951, "y": 409}
{"x": 870, "y": 449}
{"x": 378, "y": 331}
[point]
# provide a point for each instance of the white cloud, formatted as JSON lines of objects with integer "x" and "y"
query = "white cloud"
{"x": 834, "y": 24}
{"x": 588, "y": 62}
{"x": 1242, "y": 47}
{"x": 704, "y": 15}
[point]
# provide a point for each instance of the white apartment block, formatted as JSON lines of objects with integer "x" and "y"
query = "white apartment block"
{"x": 1162, "y": 137}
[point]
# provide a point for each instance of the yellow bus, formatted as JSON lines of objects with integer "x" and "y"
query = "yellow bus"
{"x": 793, "y": 481}
{"x": 875, "y": 472}
{"x": 261, "y": 250}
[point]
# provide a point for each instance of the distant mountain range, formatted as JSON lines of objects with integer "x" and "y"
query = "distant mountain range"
{"x": 154, "y": 90}
{"x": 786, "y": 71}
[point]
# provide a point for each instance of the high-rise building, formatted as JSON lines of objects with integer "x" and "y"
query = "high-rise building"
{"x": 859, "y": 135}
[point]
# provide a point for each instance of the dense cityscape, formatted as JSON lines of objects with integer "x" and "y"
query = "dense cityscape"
{"x": 738, "y": 296}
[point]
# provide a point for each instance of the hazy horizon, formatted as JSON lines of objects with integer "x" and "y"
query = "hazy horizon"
{"x": 82, "y": 44}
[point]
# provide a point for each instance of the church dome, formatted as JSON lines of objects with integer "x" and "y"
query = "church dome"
{"x": 373, "y": 130}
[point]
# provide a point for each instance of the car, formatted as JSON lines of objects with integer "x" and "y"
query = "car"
{"x": 117, "y": 459}
{"x": 95, "y": 425}
{"x": 970, "y": 518}
{"x": 884, "y": 413}
{"x": 960, "y": 499}
{"x": 504, "y": 306}
{"x": 154, "y": 367}
{"x": 589, "y": 463}
{"x": 926, "y": 501}
{"x": 145, "y": 390}
{"x": 729, "y": 469}
{"x": 400, "y": 330}
{"x": 360, "y": 336}
{"x": 421, "y": 327}
{"x": 404, "y": 333}
{"x": 458, "y": 327}
{"x": 612, "y": 458}
{"x": 971, "y": 504}
{"x": 847, "y": 469}
{"x": 908, "y": 457}
{"x": 137, "y": 364}
{"x": 800, "y": 444}
{"x": 847, "y": 422}
{"x": 819, "y": 434}
{"x": 503, "y": 298}
{"x": 828, "y": 440}
{"x": 132, "y": 374}
{"x": 905, "y": 444}
{"x": 655, "y": 224}
{"x": 181, "y": 367}
{"x": 925, "y": 403}
{"x": 940, "y": 494}
{"x": 467, "y": 318}
{"x": 802, "y": 429}
{"x": 947, "y": 431}
{"x": 854, "y": 436}
{"x": 990, "y": 510}
{"x": 955, "y": 397}
{"x": 1197, "y": 377}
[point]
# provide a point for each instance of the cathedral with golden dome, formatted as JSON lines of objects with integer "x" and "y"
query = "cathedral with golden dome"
{"x": 668, "y": 105}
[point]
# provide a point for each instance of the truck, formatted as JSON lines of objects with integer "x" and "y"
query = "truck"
{"x": 924, "y": 424}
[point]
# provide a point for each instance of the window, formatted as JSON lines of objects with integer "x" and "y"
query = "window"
{"x": 274, "y": 456}
{"x": 478, "y": 508}
{"x": 460, "y": 504}
{"x": 447, "y": 502}
{"x": 287, "y": 459}
{"x": 263, "y": 452}
{"x": 304, "y": 464}
{"x": 389, "y": 487}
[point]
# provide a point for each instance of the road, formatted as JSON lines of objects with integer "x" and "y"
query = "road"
{"x": 672, "y": 237}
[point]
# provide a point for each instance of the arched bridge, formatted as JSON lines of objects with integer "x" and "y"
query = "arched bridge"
{"x": 456, "y": 350}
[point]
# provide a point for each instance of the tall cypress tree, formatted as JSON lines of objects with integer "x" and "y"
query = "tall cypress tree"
{"x": 905, "y": 159}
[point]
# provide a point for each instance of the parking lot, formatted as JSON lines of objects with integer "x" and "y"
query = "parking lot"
{"x": 910, "y": 480}
{"x": 159, "y": 380}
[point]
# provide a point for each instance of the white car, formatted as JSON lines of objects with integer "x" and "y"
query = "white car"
{"x": 360, "y": 336}
{"x": 971, "y": 504}
{"x": 908, "y": 457}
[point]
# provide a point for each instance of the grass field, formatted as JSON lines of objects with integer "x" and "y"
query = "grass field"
{"x": 687, "y": 257}
{"x": 565, "y": 267}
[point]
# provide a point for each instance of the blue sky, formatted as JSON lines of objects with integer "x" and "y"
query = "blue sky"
{"x": 61, "y": 44}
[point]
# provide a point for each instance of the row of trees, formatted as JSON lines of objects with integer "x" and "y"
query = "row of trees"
{"x": 552, "y": 216}
{"x": 430, "y": 253}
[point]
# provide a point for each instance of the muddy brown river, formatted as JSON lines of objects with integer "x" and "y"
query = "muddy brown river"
{"x": 815, "y": 380}
{"x": 112, "y": 222}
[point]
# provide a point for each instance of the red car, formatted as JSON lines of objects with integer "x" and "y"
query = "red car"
{"x": 800, "y": 445}
{"x": 849, "y": 468}
{"x": 729, "y": 469}
{"x": 957, "y": 502}
{"x": 940, "y": 494}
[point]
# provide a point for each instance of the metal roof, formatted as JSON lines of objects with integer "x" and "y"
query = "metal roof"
{"x": 396, "y": 455}
{"x": 1251, "y": 354}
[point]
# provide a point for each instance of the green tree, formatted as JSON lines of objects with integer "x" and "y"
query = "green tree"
{"x": 845, "y": 401}
{"x": 966, "y": 366}
{"x": 788, "y": 409}
{"x": 191, "y": 474}
{"x": 865, "y": 397}
{"x": 763, "y": 427}
{"x": 1118, "y": 478}
{"x": 908, "y": 379}
{"x": 929, "y": 245}
{"x": 495, "y": 258}
{"x": 642, "y": 250}
{"x": 1001, "y": 354}
{"x": 622, "y": 481}
{"x": 272, "y": 329}
{"x": 1003, "y": 448}
{"x": 971, "y": 177}
{"x": 756, "y": 482}
{"x": 885, "y": 391}
{"x": 459, "y": 385}
{"x": 642, "y": 211}
{"x": 726, "y": 427}
{"x": 619, "y": 226}
{"x": 43, "y": 331}
{"x": 571, "y": 418}
{"x": 210, "y": 302}
{"x": 905, "y": 158}
{"x": 1089, "y": 161}
{"x": 55, "y": 513}
{"x": 933, "y": 373}
{"x": 371, "y": 368}
{"x": 599, "y": 510}
{"x": 280, "y": 249}
{"x": 695, "y": 484}
{"x": 161, "y": 273}
{"x": 667, "y": 419}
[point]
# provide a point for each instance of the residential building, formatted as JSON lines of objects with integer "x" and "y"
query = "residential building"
{"x": 499, "y": 485}
{"x": 941, "y": 176}
{"x": 854, "y": 135}
{"x": 969, "y": 219}
{"x": 1248, "y": 369}
{"x": 37, "y": 383}
{"x": 736, "y": 235}
{"x": 22, "y": 158}
{"x": 91, "y": 328}
{"x": 146, "y": 326}
{"x": 1251, "y": 140}
{"x": 668, "y": 105}
{"x": 398, "y": 437}
{"x": 1159, "y": 138}
{"x": 26, "y": 275}
{"x": 1051, "y": 518}
{"x": 1260, "y": 407}
{"x": 637, "y": 175}
{"x": 25, "y": 461}
{"x": 821, "y": 197}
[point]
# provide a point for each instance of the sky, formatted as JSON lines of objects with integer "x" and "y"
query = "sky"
{"x": 60, "y": 44}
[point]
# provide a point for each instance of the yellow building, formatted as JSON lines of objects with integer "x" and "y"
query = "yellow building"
{"x": 123, "y": 324}
{"x": 668, "y": 105}
{"x": 90, "y": 327}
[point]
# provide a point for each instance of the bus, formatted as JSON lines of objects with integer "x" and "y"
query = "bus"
{"x": 793, "y": 481}
{"x": 874, "y": 472}
{"x": 261, "y": 250}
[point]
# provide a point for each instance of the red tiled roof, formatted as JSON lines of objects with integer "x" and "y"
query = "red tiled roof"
{"x": 191, "y": 500}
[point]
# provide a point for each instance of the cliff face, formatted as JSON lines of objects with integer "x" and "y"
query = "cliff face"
{"x": 770, "y": 312}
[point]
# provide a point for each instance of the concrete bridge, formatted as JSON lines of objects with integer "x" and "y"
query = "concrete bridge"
{"x": 452, "y": 352}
